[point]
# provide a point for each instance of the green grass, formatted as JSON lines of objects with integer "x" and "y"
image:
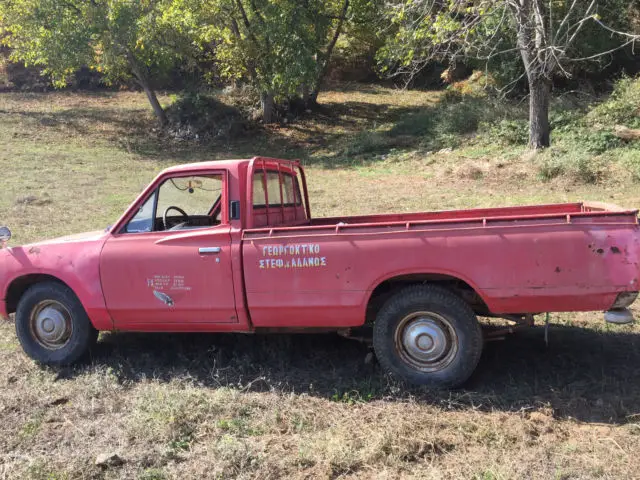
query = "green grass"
{"x": 226, "y": 406}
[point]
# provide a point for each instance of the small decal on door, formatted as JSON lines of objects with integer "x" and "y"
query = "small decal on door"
{"x": 168, "y": 282}
{"x": 163, "y": 297}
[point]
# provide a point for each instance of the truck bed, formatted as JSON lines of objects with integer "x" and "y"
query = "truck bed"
{"x": 562, "y": 257}
{"x": 527, "y": 212}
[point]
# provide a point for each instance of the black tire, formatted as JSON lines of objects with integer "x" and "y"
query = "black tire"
{"x": 427, "y": 335}
{"x": 52, "y": 305}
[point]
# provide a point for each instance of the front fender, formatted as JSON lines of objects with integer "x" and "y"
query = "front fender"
{"x": 76, "y": 264}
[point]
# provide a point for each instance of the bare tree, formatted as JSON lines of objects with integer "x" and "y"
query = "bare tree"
{"x": 545, "y": 34}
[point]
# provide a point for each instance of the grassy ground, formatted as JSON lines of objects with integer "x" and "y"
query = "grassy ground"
{"x": 221, "y": 406}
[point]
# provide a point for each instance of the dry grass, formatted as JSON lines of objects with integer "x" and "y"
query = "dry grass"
{"x": 226, "y": 406}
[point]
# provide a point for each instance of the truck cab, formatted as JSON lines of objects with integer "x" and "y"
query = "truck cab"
{"x": 181, "y": 241}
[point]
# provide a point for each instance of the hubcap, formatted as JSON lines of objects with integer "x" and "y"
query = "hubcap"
{"x": 426, "y": 341}
{"x": 51, "y": 324}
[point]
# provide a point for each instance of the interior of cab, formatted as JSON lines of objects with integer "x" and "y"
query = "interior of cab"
{"x": 180, "y": 203}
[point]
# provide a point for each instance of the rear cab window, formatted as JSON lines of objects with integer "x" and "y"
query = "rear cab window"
{"x": 277, "y": 199}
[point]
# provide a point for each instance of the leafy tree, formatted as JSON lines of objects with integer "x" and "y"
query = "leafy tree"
{"x": 119, "y": 38}
{"x": 549, "y": 36}
{"x": 281, "y": 47}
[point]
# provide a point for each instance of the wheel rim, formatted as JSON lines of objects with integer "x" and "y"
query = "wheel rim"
{"x": 50, "y": 324}
{"x": 426, "y": 341}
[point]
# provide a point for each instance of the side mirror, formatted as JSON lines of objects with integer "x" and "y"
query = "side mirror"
{"x": 5, "y": 236}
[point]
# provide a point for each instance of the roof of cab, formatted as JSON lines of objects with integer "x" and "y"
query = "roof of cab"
{"x": 218, "y": 164}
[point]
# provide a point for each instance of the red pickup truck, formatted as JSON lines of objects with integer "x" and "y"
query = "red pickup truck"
{"x": 231, "y": 246}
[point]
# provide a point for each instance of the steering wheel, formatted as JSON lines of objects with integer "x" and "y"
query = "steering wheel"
{"x": 177, "y": 209}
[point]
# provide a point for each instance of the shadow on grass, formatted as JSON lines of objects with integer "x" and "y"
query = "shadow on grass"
{"x": 583, "y": 374}
{"x": 332, "y": 134}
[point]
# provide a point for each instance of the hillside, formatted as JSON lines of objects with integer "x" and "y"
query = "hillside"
{"x": 237, "y": 406}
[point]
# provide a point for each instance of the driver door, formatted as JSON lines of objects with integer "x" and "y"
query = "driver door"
{"x": 170, "y": 268}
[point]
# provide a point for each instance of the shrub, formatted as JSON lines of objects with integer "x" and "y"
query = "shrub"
{"x": 590, "y": 141}
{"x": 201, "y": 116}
{"x": 586, "y": 169}
{"x": 443, "y": 125}
{"x": 622, "y": 107}
{"x": 509, "y": 132}
{"x": 630, "y": 158}
{"x": 550, "y": 168}
{"x": 366, "y": 142}
{"x": 474, "y": 86}
{"x": 572, "y": 163}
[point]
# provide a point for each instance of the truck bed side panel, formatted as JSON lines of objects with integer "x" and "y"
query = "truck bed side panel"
{"x": 325, "y": 277}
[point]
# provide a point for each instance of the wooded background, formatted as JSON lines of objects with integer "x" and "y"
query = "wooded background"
{"x": 284, "y": 52}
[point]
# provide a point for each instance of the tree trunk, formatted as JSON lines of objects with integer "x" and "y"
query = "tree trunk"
{"x": 143, "y": 81}
{"x": 530, "y": 26}
{"x": 312, "y": 98}
{"x": 306, "y": 95}
{"x": 539, "y": 130}
{"x": 267, "y": 106}
{"x": 155, "y": 104}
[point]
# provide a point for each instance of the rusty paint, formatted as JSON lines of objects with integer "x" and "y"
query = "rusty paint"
{"x": 34, "y": 250}
{"x": 558, "y": 270}
{"x": 600, "y": 251}
{"x": 615, "y": 250}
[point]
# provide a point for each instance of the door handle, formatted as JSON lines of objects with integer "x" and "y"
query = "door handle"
{"x": 208, "y": 250}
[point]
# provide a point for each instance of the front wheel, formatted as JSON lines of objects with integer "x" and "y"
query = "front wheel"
{"x": 426, "y": 335}
{"x": 52, "y": 325}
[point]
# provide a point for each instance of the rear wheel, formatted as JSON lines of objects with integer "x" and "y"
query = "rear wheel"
{"x": 426, "y": 335}
{"x": 52, "y": 326}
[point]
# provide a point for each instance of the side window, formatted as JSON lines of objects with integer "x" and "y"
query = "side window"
{"x": 195, "y": 195}
{"x": 181, "y": 203}
{"x": 143, "y": 221}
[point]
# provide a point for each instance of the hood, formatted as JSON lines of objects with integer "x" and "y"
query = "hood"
{"x": 77, "y": 237}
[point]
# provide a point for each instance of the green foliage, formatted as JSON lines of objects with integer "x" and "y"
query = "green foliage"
{"x": 509, "y": 132}
{"x": 276, "y": 45}
{"x": 366, "y": 142}
{"x": 576, "y": 165}
{"x": 630, "y": 158}
{"x": 354, "y": 397}
{"x": 622, "y": 107}
{"x": 456, "y": 116}
{"x": 591, "y": 141}
{"x": 484, "y": 34}
{"x": 152, "y": 474}
{"x": 364, "y": 33}
{"x": 550, "y": 167}
{"x": 105, "y": 35}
